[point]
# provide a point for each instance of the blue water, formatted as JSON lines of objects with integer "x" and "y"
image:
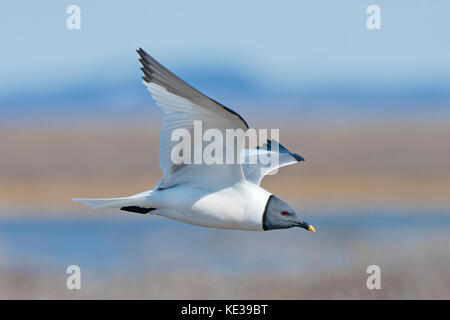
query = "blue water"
{"x": 154, "y": 243}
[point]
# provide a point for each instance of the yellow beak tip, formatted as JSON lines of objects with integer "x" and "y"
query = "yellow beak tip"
{"x": 311, "y": 228}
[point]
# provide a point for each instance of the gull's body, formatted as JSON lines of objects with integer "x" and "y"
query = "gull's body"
{"x": 240, "y": 206}
{"x": 226, "y": 196}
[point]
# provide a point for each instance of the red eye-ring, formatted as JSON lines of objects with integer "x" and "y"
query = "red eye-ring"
{"x": 284, "y": 213}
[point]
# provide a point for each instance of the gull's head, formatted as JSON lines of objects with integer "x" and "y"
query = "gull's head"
{"x": 279, "y": 215}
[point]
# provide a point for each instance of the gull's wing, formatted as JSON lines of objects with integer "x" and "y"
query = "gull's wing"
{"x": 182, "y": 105}
{"x": 256, "y": 163}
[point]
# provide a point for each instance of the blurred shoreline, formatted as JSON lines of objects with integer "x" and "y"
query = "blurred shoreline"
{"x": 156, "y": 258}
{"x": 347, "y": 167}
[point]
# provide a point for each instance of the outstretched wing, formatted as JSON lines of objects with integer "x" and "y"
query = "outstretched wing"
{"x": 182, "y": 105}
{"x": 256, "y": 163}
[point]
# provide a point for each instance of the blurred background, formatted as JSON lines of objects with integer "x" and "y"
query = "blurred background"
{"x": 369, "y": 110}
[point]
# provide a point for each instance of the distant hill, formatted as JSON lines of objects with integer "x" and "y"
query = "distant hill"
{"x": 97, "y": 96}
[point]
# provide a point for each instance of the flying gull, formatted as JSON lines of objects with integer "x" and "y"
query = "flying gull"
{"x": 226, "y": 196}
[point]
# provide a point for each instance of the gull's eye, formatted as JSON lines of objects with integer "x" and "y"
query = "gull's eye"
{"x": 284, "y": 213}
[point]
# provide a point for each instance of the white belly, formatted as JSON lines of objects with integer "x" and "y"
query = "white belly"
{"x": 238, "y": 207}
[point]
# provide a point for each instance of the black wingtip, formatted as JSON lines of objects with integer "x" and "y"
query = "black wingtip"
{"x": 298, "y": 157}
{"x": 281, "y": 148}
{"x": 146, "y": 72}
{"x": 141, "y": 54}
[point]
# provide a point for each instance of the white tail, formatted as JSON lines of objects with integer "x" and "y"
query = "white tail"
{"x": 138, "y": 200}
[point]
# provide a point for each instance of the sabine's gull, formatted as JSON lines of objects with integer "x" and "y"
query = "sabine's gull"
{"x": 226, "y": 196}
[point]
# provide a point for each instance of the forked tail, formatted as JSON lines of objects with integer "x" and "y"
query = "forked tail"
{"x": 138, "y": 203}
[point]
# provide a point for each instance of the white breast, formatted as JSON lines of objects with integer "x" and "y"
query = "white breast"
{"x": 238, "y": 207}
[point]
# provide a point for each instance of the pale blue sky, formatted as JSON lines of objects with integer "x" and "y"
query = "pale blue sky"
{"x": 279, "y": 43}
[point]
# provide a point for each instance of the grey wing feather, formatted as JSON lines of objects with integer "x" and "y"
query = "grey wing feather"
{"x": 157, "y": 73}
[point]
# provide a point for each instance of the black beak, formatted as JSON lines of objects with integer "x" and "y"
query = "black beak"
{"x": 307, "y": 226}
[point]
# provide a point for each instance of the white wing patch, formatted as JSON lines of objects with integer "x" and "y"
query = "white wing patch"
{"x": 182, "y": 105}
{"x": 256, "y": 163}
